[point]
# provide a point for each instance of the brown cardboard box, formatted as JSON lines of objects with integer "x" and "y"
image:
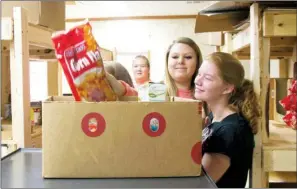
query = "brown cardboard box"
{"x": 124, "y": 145}
{"x": 45, "y": 13}
{"x": 219, "y": 21}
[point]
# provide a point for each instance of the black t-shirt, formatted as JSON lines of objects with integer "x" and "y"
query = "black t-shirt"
{"x": 232, "y": 137}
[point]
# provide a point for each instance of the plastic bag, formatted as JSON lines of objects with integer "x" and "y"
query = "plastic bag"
{"x": 289, "y": 102}
{"x": 290, "y": 119}
{"x": 293, "y": 88}
{"x": 79, "y": 56}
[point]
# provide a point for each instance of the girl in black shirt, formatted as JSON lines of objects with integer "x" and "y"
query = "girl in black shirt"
{"x": 228, "y": 138}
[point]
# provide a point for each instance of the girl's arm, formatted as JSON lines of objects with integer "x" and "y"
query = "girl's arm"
{"x": 215, "y": 165}
{"x": 121, "y": 88}
{"x": 129, "y": 91}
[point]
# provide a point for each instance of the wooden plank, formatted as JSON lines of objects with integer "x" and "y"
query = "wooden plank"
{"x": 272, "y": 104}
{"x": 52, "y": 78}
{"x": 281, "y": 137}
{"x": 279, "y": 23}
{"x": 40, "y": 36}
{"x": 6, "y": 28}
{"x": 241, "y": 40}
{"x": 282, "y": 177}
{"x": 259, "y": 75}
{"x": 20, "y": 81}
{"x": 162, "y": 17}
{"x": 283, "y": 41}
{"x": 279, "y": 160}
{"x": 246, "y": 56}
{"x": 275, "y": 52}
{"x": 227, "y": 47}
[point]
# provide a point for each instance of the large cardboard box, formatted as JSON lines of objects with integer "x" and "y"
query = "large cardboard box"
{"x": 120, "y": 139}
{"x": 45, "y": 13}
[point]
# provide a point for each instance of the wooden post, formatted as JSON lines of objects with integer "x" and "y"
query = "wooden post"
{"x": 227, "y": 43}
{"x": 53, "y": 84}
{"x": 20, "y": 81}
{"x": 260, "y": 48}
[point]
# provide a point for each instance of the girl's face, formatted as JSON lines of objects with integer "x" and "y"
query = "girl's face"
{"x": 182, "y": 61}
{"x": 209, "y": 86}
{"x": 140, "y": 69}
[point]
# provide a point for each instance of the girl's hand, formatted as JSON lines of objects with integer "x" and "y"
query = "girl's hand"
{"x": 116, "y": 85}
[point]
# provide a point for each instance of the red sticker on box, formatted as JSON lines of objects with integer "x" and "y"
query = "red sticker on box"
{"x": 154, "y": 124}
{"x": 93, "y": 124}
{"x": 196, "y": 153}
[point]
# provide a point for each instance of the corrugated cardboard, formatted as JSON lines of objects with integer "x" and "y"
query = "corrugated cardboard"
{"x": 219, "y": 21}
{"x": 45, "y": 13}
{"x": 127, "y": 147}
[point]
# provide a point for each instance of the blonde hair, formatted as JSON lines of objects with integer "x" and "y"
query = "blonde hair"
{"x": 147, "y": 62}
{"x": 171, "y": 87}
{"x": 243, "y": 99}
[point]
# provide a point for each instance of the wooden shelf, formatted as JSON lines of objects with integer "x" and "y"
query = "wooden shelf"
{"x": 280, "y": 149}
{"x": 281, "y": 137}
{"x": 6, "y": 133}
{"x": 280, "y": 177}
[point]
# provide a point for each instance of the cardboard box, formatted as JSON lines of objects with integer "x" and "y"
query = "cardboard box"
{"x": 50, "y": 14}
{"x": 219, "y": 21}
{"x": 133, "y": 139}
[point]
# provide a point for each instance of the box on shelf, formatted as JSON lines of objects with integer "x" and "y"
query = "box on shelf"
{"x": 125, "y": 138}
{"x": 50, "y": 14}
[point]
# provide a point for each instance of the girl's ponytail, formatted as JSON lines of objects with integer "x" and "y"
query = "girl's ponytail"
{"x": 244, "y": 100}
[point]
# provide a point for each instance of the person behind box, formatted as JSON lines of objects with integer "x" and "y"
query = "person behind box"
{"x": 119, "y": 79}
{"x": 228, "y": 138}
{"x": 119, "y": 72}
{"x": 141, "y": 71}
{"x": 183, "y": 58}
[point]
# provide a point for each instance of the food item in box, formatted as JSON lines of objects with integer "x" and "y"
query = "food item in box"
{"x": 79, "y": 56}
{"x": 143, "y": 93}
{"x": 153, "y": 92}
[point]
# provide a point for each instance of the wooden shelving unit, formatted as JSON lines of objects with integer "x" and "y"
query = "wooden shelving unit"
{"x": 268, "y": 32}
{"x": 23, "y": 42}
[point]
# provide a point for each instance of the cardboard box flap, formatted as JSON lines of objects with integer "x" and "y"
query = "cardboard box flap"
{"x": 71, "y": 99}
{"x": 219, "y": 21}
{"x": 226, "y": 6}
{"x": 123, "y": 98}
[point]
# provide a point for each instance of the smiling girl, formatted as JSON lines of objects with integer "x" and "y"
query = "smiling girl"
{"x": 183, "y": 59}
{"x": 228, "y": 139}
